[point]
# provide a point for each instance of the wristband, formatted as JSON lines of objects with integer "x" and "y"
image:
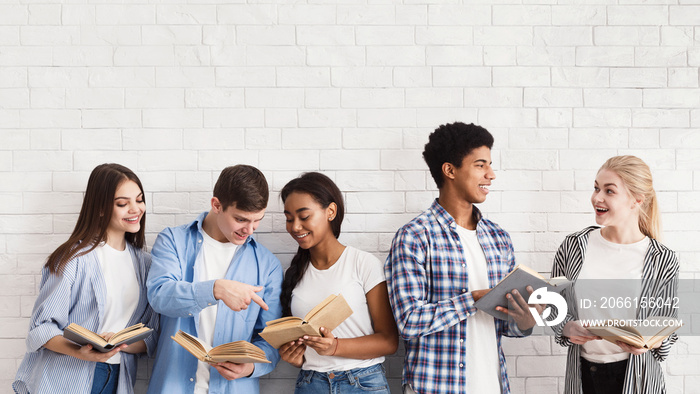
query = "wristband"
{"x": 337, "y": 341}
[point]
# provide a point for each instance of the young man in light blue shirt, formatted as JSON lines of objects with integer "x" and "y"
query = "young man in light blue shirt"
{"x": 211, "y": 279}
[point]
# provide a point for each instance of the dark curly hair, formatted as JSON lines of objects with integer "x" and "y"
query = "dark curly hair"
{"x": 449, "y": 143}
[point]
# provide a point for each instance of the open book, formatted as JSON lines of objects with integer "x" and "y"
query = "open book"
{"x": 519, "y": 278}
{"x": 234, "y": 352}
{"x": 329, "y": 314}
{"x": 647, "y": 334}
{"x": 83, "y": 336}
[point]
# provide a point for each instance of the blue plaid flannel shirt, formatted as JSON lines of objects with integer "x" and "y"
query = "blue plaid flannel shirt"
{"x": 427, "y": 280}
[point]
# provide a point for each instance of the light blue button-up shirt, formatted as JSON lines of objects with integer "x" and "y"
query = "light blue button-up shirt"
{"x": 77, "y": 296}
{"x": 173, "y": 292}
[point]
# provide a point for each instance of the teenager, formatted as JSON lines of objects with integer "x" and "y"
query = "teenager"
{"x": 96, "y": 279}
{"x": 625, "y": 251}
{"x": 348, "y": 359}
{"x": 445, "y": 259}
{"x": 211, "y": 279}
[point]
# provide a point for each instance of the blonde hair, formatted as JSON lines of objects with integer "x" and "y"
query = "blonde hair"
{"x": 636, "y": 176}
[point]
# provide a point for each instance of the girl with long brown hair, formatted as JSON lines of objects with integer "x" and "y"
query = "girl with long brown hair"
{"x": 95, "y": 279}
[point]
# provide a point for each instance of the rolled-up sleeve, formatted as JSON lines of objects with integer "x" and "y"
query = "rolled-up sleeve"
{"x": 52, "y": 307}
{"x": 168, "y": 292}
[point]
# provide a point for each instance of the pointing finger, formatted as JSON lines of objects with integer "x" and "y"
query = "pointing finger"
{"x": 256, "y": 298}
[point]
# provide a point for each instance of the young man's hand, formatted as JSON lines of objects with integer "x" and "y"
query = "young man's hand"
{"x": 237, "y": 295}
{"x": 477, "y": 294}
{"x": 232, "y": 371}
{"x": 519, "y": 310}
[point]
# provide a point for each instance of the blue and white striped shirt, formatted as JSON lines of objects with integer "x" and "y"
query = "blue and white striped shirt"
{"x": 77, "y": 296}
{"x": 174, "y": 293}
{"x": 644, "y": 374}
{"x": 431, "y": 300}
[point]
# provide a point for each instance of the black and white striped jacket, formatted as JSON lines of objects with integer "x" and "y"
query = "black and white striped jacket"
{"x": 659, "y": 279}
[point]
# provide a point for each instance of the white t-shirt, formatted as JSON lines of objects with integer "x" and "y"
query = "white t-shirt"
{"x": 482, "y": 365}
{"x": 608, "y": 260}
{"x": 353, "y": 275}
{"x": 122, "y": 296}
{"x": 212, "y": 263}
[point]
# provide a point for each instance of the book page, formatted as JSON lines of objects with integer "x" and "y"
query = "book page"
{"x": 320, "y": 306}
{"x": 85, "y": 333}
{"x": 659, "y": 328}
{"x": 238, "y": 352}
{"x": 331, "y": 314}
{"x": 528, "y": 270}
{"x": 289, "y": 320}
{"x": 127, "y": 333}
{"x": 196, "y": 342}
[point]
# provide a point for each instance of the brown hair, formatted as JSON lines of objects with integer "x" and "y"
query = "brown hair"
{"x": 636, "y": 176}
{"x": 95, "y": 215}
{"x": 242, "y": 185}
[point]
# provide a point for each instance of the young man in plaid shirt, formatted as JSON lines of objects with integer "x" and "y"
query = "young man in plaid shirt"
{"x": 444, "y": 260}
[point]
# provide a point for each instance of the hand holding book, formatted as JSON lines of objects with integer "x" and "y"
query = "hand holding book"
{"x": 232, "y": 371}
{"x": 127, "y": 336}
{"x": 238, "y": 352}
{"x": 647, "y": 335}
{"x": 328, "y": 314}
{"x": 518, "y": 279}
{"x": 325, "y": 345}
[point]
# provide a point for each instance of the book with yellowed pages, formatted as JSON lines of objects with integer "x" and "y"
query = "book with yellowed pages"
{"x": 519, "y": 278}
{"x": 234, "y": 352}
{"x": 329, "y": 314}
{"x": 83, "y": 336}
{"x": 647, "y": 334}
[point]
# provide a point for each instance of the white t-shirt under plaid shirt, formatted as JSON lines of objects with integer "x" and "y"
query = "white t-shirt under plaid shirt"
{"x": 431, "y": 299}
{"x": 482, "y": 371}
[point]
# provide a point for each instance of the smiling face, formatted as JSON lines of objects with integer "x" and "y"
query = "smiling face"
{"x": 471, "y": 181}
{"x": 234, "y": 225}
{"x": 307, "y": 221}
{"x": 129, "y": 208}
{"x": 612, "y": 202}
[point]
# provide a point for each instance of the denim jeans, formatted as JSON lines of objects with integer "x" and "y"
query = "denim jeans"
{"x": 602, "y": 378}
{"x": 360, "y": 380}
{"x": 106, "y": 378}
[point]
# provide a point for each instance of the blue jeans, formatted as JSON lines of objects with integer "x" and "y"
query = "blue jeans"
{"x": 360, "y": 380}
{"x": 106, "y": 379}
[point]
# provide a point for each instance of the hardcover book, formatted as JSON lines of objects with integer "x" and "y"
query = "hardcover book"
{"x": 649, "y": 333}
{"x": 329, "y": 314}
{"x": 83, "y": 336}
{"x": 519, "y": 278}
{"x": 234, "y": 352}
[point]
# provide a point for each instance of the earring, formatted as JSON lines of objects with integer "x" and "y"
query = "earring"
{"x": 331, "y": 219}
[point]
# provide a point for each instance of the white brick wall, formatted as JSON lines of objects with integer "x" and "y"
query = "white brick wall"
{"x": 177, "y": 91}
